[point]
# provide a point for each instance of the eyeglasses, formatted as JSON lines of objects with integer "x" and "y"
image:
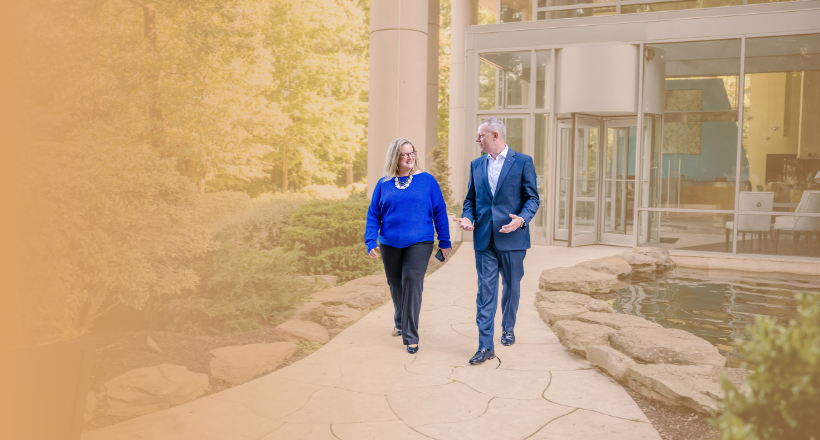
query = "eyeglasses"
{"x": 408, "y": 155}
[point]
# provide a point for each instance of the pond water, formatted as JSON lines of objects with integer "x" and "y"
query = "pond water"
{"x": 716, "y": 305}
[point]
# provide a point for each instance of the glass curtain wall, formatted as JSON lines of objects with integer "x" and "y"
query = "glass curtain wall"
{"x": 690, "y": 162}
{"x": 708, "y": 184}
{"x": 781, "y": 147}
{"x": 522, "y": 10}
{"x": 516, "y": 87}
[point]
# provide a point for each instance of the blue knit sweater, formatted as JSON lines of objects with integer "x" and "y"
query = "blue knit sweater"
{"x": 404, "y": 217}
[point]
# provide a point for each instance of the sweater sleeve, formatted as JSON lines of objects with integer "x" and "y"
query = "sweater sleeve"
{"x": 371, "y": 230}
{"x": 440, "y": 216}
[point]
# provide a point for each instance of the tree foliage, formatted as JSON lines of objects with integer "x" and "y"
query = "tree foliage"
{"x": 108, "y": 225}
{"x": 784, "y": 402}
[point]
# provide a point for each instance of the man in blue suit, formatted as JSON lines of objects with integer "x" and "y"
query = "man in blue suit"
{"x": 502, "y": 198}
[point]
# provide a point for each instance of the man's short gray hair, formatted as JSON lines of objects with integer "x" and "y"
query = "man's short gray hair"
{"x": 496, "y": 126}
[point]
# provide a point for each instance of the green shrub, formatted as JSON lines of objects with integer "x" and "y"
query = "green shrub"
{"x": 331, "y": 236}
{"x": 241, "y": 288}
{"x": 217, "y": 206}
{"x": 785, "y": 380}
{"x": 261, "y": 226}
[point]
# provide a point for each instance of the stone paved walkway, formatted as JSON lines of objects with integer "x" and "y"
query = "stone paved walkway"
{"x": 364, "y": 385}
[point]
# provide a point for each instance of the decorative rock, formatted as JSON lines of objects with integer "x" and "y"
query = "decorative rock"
{"x": 612, "y": 361}
{"x": 327, "y": 280}
{"x": 90, "y": 406}
{"x": 368, "y": 299}
{"x": 297, "y": 331}
{"x": 616, "y": 320}
{"x": 151, "y": 345}
{"x": 343, "y": 315}
{"x": 577, "y": 336}
{"x": 577, "y": 279}
{"x": 360, "y": 296}
{"x": 240, "y": 363}
{"x": 611, "y": 265}
{"x": 146, "y": 390}
{"x": 640, "y": 263}
{"x": 596, "y": 305}
{"x": 663, "y": 262}
{"x": 372, "y": 280}
{"x": 695, "y": 386}
{"x": 665, "y": 346}
{"x": 554, "y": 312}
{"x": 563, "y": 297}
{"x": 309, "y": 311}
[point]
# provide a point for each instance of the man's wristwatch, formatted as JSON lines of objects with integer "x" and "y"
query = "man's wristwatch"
{"x": 523, "y": 223}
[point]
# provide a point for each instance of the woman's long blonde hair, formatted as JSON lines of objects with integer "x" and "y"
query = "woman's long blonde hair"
{"x": 391, "y": 162}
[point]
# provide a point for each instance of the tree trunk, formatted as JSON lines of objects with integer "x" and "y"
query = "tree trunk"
{"x": 349, "y": 174}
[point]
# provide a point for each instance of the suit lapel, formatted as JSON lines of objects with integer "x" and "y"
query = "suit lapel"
{"x": 482, "y": 170}
{"x": 505, "y": 169}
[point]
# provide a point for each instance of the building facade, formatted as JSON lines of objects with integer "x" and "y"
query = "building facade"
{"x": 689, "y": 125}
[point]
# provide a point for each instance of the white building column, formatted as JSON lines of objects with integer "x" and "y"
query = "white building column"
{"x": 464, "y": 14}
{"x": 433, "y": 26}
{"x": 398, "y": 80}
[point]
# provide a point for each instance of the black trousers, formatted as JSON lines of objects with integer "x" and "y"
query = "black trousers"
{"x": 405, "y": 268}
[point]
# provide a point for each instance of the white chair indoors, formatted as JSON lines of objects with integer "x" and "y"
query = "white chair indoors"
{"x": 757, "y": 225}
{"x": 809, "y": 203}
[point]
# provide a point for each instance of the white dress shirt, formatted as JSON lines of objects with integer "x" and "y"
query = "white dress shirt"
{"x": 494, "y": 168}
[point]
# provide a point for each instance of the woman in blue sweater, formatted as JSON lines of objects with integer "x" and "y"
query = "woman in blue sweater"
{"x": 405, "y": 206}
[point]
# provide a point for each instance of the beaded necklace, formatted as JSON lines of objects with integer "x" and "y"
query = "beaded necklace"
{"x": 404, "y": 185}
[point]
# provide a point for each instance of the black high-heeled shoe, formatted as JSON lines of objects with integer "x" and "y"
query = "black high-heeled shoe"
{"x": 412, "y": 350}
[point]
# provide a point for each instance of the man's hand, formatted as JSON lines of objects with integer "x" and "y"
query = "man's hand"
{"x": 513, "y": 225}
{"x": 372, "y": 252}
{"x": 464, "y": 223}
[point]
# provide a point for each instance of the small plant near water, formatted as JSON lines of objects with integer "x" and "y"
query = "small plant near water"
{"x": 309, "y": 347}
{"x": 784, "y": 402}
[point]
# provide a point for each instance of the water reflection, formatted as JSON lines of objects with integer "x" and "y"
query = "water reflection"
{"x": 714, "y": 305}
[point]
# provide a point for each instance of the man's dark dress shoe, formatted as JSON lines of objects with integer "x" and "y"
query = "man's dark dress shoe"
{"x": 412, "y": 350}
{"x": 482, "y": 355}
{"x": 507, "y": 338}
{"x": 396, "y": 332}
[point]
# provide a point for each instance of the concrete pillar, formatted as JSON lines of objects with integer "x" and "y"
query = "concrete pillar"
{"x": 433, "y": 25}
{"x": 398, "y": 80}
{"x": 464, "y": 14}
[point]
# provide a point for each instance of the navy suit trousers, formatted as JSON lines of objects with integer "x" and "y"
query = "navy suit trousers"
{"x": 489, "y": 264}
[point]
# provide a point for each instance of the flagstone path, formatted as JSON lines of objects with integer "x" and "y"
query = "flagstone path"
{"x": 364, "y": 385}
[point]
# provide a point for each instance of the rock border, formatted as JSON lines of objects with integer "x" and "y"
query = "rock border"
{"x": 669, "y": 365}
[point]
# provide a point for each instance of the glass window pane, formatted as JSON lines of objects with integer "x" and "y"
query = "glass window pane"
{"x": 516, "y": 10}
{"x": 573, "y": 13}
{"x": 674, "y": 6}
{"x": 540, "y": 159}
{"x": 685, "y": 231}
{"x": 781, "y": 136}
{"x": 542, "y": 78}
{"x": 504, "y": 80}
{"x": 693, "y": 155}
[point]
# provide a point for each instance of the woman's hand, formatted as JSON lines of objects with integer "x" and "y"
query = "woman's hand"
{"x": 446, "y": 252}
{"x": 372, "y": 252}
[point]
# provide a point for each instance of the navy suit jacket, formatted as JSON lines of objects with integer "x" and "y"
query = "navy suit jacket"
{"x": 516, "y": 193}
